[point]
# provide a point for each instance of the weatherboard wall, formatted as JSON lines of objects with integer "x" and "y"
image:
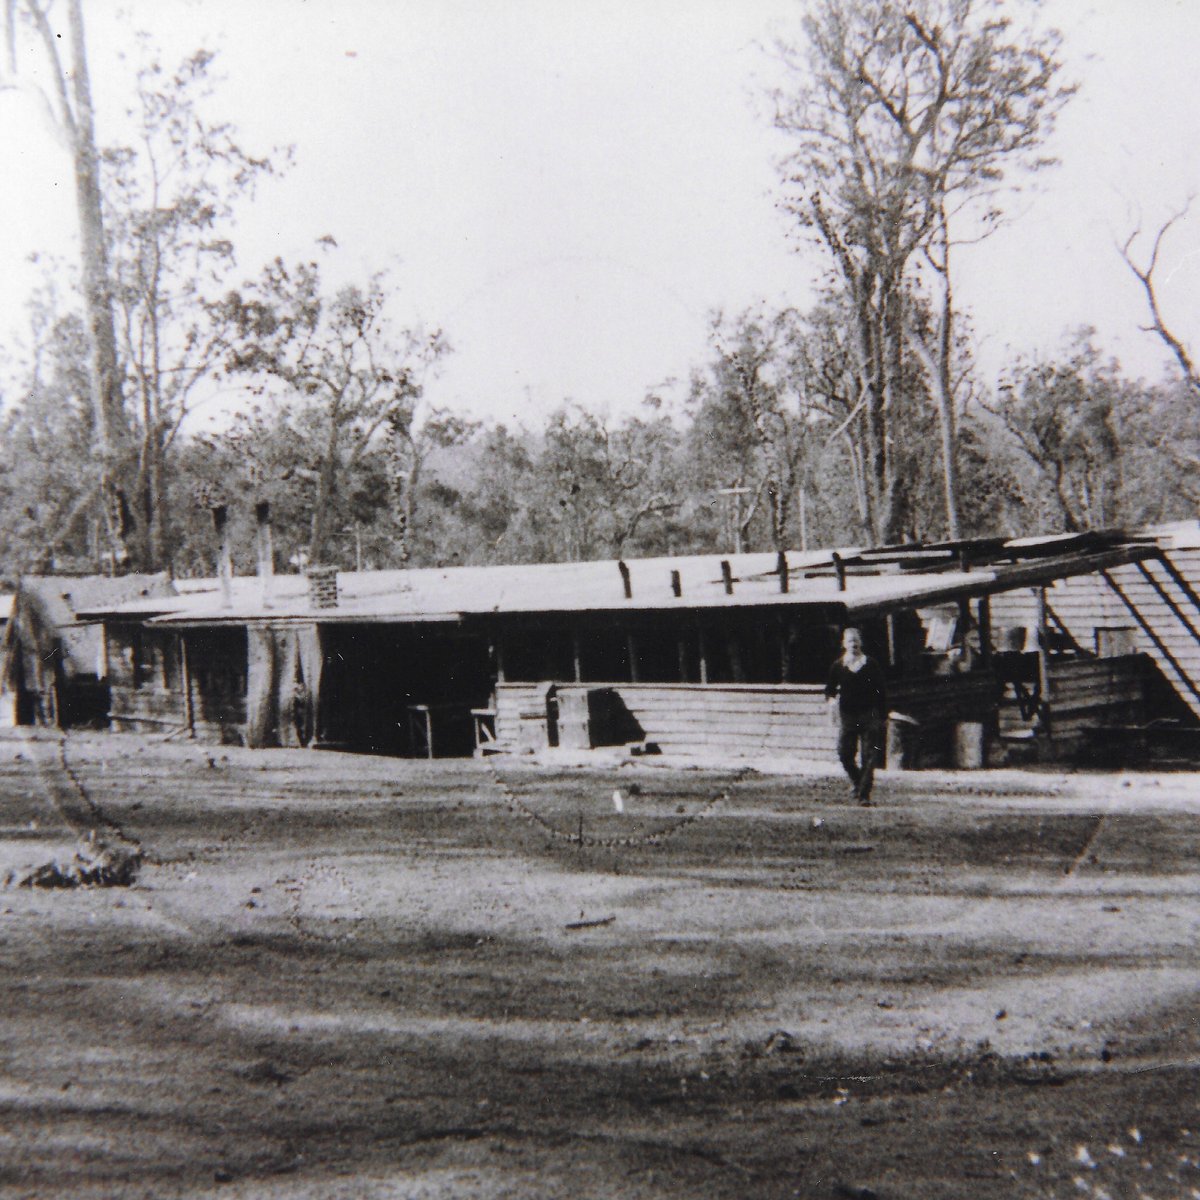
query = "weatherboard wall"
{"x": 1152, "y": 608}
{"x": 740, "y": 720}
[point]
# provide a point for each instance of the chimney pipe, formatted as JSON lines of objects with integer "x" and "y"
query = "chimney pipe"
{"x": 625, "y": 580}
{"x": 782, "y": 567}
{"x": 727, "y": 576}
{"x": 676, "y": 584}
{"x": 220, "y": 516}
{"x": 266, "y": 552}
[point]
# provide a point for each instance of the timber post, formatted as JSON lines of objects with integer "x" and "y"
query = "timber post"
{"x": 840, "y": 567}
{"x": 1043, "y": 666}
{"x": 985, "y": 630}
{"x": 189, "y": 701}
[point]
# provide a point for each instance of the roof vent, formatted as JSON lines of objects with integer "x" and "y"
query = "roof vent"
{"x": 323, "y": 587}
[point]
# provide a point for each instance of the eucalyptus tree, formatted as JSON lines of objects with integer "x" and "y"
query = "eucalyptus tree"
{"x": 156, "y": 218}
{"x": 1065, "y": 414}
{"x": 904, "y": 120}
{"x": 754, "y": 424}
{"x": 48, "y": 471}
{"x": 171, "y": 196}
{"x": 352, "y": 378}
{"x": 70, "y": 102}
{"x": 602, "y": 486}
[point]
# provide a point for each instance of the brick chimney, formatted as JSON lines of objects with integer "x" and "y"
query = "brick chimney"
{"x": 322, "y": 587}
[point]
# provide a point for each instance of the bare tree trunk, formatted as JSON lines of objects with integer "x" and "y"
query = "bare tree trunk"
{"x": 405, "y": 468}
{"x": 937, "y": 368}
{"x": 105, "y": 376}
{"x": 942, "y": 378}
{"x": 862, "y": 493}
{"x": 326, "y": 490}
{"x": 895, "y": 507}
{"x": 409, "y": 508}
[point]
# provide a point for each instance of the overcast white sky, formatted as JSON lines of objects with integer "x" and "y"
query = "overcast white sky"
{"x": 569, "y": 189}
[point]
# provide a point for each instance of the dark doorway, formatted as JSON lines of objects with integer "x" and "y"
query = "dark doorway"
{"x": 403, "y": 689}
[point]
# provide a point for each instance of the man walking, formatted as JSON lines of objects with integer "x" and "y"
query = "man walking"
{"x": 856, "y": 683}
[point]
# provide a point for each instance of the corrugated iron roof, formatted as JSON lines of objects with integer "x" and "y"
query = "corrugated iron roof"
{"x": 874, "y": 582}
{"x": 45, "y": 613}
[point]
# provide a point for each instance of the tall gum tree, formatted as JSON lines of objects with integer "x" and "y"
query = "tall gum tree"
{"x": 171, "y": 196}
{"x": 903, "y": 119}
{"x": 353, "y": 377}
{"x": 602, "y": 486}
{"x": 71, "y": 103}
{"x": 155, "y": 217}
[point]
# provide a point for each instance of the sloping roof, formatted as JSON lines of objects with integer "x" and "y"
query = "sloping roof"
{"x": 60, "y": 597}
{"x": 45, "y": 612}
{"x": 853, "y": 582}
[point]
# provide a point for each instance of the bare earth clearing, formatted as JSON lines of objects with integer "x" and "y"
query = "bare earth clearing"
{"x": 351, "y": 977}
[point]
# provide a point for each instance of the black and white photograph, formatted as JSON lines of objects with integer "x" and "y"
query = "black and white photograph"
{"x": 600, "y": 600}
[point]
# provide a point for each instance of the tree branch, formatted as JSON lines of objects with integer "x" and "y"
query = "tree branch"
{"x": 1145, "y": 275}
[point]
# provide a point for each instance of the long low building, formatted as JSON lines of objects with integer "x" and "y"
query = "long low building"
{"x": 697, "y": 654}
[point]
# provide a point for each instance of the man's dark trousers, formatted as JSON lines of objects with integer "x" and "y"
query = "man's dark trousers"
{"x": 861, "y": 730}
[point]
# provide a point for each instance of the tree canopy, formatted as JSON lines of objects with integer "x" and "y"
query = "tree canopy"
{"x": 861, "y": 418}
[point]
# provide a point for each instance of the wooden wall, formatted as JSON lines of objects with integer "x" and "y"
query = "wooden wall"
{"x": 746, "y": 720}
{"x": 147, "y": 709}
{"x": 144, "y": 674}
{"x": 734, "y": 719}
{"x": 1087, "y": 696}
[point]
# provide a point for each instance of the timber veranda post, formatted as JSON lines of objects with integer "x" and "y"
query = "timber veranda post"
{"x": 1043, "y": 663}
{"x": 185, "y": 671}
{"x": 985, "y": 630}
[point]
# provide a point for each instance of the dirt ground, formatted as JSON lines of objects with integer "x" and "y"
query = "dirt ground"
{"x": 358, "y": 977}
